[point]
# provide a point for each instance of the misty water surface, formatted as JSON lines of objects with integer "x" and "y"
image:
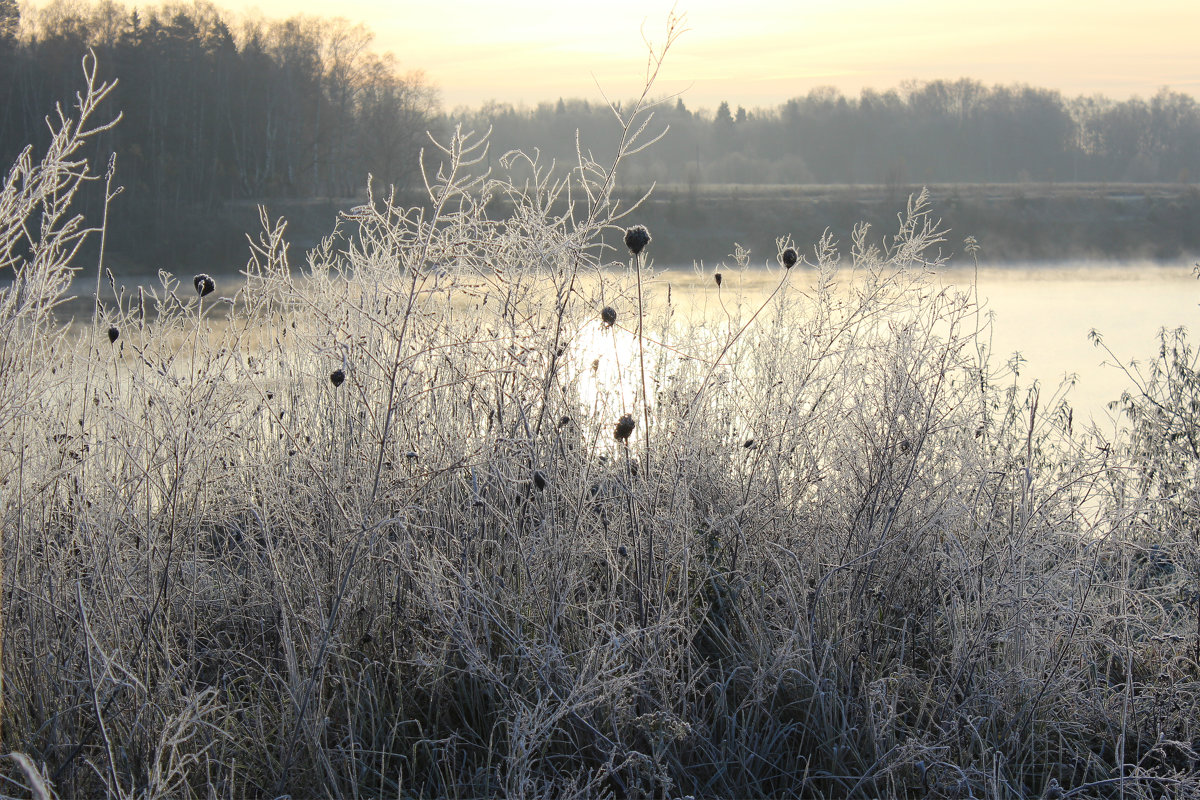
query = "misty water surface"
{"x": 1042, "y": 311}
{"x": 1045, "y": 312}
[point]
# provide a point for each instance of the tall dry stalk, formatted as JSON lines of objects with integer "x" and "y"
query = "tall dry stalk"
{"x": 40, "y": 235}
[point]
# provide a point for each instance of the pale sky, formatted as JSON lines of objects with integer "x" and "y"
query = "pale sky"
{"x": 762, "y": 52}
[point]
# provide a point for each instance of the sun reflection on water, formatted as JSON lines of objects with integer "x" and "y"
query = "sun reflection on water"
{"x": 1043, "y": 312}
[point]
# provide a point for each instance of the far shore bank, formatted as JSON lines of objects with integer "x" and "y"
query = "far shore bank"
{"x": 1013, "y": 223}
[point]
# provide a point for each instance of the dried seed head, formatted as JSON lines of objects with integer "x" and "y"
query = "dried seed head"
{"x": 624, "y": 429}
{"x": 204, "y": 284}
{"x": 337, "y": 377}
{"x": 113, "y": 334}
{"x": 608, "y": 316}
{"x": 788, "y": 258}
{"x": 718, "y": 278}
{"x": 636, "y": 239}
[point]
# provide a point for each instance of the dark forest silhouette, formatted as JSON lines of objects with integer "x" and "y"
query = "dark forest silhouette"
{"x": 290, "y": 109}
{"x": 220, "y": 115}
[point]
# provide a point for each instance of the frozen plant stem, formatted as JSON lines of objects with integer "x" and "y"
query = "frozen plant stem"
{"x": 109, "y": 194}
{"x": 644, "y": 566}
{"x": 734, "y": 339}
{"x": 462, "y": 154}
{"x": 638, "y": 262}
{"x": 633, "y": 126}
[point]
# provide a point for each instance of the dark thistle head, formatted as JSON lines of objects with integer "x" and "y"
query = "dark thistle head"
{"x": 608, "y": 316}
{"x": 788, "y": 258}
{"x": 718, "y": 278}
{"x": 204, "y": 284}
{"x": 337, "y": 377}
{"x": 624, "y": 428}
{"x": 636, "y": 239}
{"x": 113, "y": 334}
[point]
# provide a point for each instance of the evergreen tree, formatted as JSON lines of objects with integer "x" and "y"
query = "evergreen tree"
{"x": 10, "y": 22}
{"x": 724, "y": 117}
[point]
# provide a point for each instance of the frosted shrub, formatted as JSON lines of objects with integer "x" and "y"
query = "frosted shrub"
{"x": 375, "y": 525}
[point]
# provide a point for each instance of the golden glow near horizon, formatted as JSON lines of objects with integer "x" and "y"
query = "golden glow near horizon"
{"x": 759, "y": 53}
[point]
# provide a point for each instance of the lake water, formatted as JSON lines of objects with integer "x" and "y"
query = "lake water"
{"x": 1042, "y": 311}
{"x": 1045, "y": 312}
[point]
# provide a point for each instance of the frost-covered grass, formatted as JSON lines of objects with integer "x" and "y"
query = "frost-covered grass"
{"x": 373, "y": 534}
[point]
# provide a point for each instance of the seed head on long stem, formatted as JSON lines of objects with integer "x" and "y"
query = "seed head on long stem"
{"x": 204, "y": 284}
{"x": 636, "y": 239}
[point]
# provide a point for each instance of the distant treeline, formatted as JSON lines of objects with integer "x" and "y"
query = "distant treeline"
{"x": 214, "y": 111}
{"x": 222, "y": 113}
{"x": 923, "y": 132}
